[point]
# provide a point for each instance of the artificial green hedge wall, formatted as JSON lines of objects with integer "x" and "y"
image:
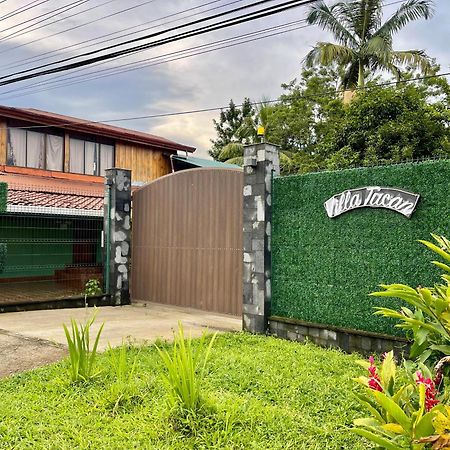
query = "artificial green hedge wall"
{"x": 324, "y": 269}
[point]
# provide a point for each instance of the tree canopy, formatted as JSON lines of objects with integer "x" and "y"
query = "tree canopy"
{"x": 364, "y": 42}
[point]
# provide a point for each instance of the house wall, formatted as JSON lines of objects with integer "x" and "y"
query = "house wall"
{"x": 145, "y": 163}
{"x": 3, "y": 141}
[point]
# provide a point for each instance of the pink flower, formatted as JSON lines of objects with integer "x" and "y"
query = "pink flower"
{"x": 430, "y": 391}
{"x": 374, "y": 379}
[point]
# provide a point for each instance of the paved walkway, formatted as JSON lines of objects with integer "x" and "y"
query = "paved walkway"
{"x": 32, "y": 338}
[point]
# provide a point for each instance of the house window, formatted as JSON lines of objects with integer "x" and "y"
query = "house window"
{"x": 33, "y": 149}
{"x": 90, "y": 158}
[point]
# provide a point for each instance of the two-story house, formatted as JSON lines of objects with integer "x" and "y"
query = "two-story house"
{"x": 54, "y": 166}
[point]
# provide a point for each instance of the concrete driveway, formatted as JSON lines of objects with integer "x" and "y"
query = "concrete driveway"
{"x": 33, "y": 338}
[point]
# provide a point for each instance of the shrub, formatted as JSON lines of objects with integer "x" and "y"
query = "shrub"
{"x": 82, "y": 358}
{"x": 92, "y": 287}
{"x": 185, "y": 367}
{"x": 402, "y": 412}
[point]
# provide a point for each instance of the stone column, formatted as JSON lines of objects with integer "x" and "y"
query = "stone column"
{"x": 261, "y": 163}
{"x": 117, "y": 228}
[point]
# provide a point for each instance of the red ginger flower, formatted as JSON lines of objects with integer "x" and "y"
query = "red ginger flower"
{"x": 374, "y": 379}
{"x": 430, "y": 391}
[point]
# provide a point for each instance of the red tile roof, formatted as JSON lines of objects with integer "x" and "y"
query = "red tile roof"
{"x": 48, "y": 192}
{"x": 86, "y": 126}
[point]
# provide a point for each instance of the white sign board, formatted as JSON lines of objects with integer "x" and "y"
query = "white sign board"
{"x": 397, "y": 200}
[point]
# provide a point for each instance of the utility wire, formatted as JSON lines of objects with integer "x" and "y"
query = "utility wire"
{"x": 24, "y": 30}
{"x": 148, "y": 36}
{"x": 54, "y": 12}
{"x": 160, "y": 60}
{"x": 173, "y": 56}
{"x": 23, "y": 8}
{"x": 133, "y": 66}
{"x": 265, "y": 12}
{"x": 330, "y": 93}
{"x": 36, "y": 58}
{"x": 77, "y": 26}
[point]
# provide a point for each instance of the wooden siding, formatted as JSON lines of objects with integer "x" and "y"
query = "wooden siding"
{"x": 187, "y": 240}
{"x": 145, "y": 163}
{"x": 3, "y": 142}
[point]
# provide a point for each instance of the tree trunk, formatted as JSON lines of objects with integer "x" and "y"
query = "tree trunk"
{"x": 361, "y": 74}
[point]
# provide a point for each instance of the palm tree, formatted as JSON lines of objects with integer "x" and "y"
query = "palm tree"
{"x": 363, "y": 41}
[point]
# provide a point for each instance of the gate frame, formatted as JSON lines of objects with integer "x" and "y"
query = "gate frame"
{"x": 261, "y": 164}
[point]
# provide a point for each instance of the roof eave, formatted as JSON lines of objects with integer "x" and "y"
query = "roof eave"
{"x": 91, "y": 128}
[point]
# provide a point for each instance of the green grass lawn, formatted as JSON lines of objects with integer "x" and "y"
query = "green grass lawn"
{"x": 263, "y": 393}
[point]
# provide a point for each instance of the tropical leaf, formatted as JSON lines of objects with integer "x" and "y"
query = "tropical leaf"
{"x": 325, "y": 18}
{"x": 409, "y": 11}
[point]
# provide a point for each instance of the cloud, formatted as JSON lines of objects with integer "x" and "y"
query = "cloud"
{"x": 252, "y": 70}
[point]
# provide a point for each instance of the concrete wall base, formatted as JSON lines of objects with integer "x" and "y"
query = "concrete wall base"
{"x": 328, "y": 336}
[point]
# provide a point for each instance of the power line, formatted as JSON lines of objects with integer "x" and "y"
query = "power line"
{"x": 77, "y": 26}
{"x": 148, "y": 36}
{"x": 37, "y": 57}
{"x": 145, "y": 62}
{"x": 265, "y": 12}
{"x": 333, "y": 93}
{"x": 114, "y": 70}
{"x": 55, "y": 12}
{"x": 23, "y": 8}
{"x": 24, "y": 30}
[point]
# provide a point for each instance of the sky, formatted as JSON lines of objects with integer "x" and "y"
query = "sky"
{"x": 209, "y": 80}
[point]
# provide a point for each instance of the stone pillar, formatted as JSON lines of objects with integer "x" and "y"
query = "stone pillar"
{"x": 117, "y": 229}
{"x": 261, "y": 163}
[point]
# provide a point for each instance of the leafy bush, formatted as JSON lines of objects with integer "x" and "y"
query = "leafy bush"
{"x": 402, "y": 412}
{"x": 92, "y": 287}
{"x": 185, "y": 367}
{"x": 82, "y": 358}
{"x": 429, "y": 322}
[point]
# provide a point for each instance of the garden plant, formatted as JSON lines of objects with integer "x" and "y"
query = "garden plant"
{"x": 82, "y": 358}
{"x": 409, "y": 409}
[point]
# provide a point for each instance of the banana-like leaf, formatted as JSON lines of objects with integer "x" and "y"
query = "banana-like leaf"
{"x": 381, "y": 441}
{"x": 436, "y": 249}
{"x": 393, "y": 409}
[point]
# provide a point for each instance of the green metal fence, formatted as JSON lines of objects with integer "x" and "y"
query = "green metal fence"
{"x": 50, "y": 243}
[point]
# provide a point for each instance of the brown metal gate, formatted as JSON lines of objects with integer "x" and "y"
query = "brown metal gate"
{"x": 187, "y": 240}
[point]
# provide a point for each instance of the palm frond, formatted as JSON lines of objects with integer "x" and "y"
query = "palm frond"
{"x": 238, "y": 161}
{"x": 417, "y": 59}
{"x": 326, "y": 19}
{"x": 379, "y": 47}
{"x": 231, "y": 150}
{"x": 326, "y": 53}
{"x": 408, "y": 12}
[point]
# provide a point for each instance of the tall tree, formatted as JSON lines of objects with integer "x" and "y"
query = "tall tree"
{"x": 390, "y": 125}
{"x": 229, "y": 125}
{"x": 364, "y": 43}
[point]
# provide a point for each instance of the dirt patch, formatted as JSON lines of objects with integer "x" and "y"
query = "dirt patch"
{"x": 19, "y": 353}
